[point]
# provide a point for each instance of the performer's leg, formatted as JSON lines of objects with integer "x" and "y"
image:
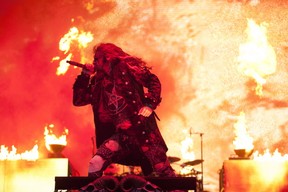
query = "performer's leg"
{"x": 158, "y": 158}
{"x": 103, "y": 158}
{"x": 164, "y": 169}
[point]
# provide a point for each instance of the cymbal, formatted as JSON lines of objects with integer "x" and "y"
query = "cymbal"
{"x": 173, "y": 159}
{"x": 192, "y": 163}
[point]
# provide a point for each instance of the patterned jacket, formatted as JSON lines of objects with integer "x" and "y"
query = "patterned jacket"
{"x": 117, "y": 98}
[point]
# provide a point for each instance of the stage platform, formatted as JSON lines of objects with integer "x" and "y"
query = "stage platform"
{"x": 165, "y": 183}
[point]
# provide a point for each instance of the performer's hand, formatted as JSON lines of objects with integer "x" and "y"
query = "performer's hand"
{"x": 88, "y": 69}
{"x": 145, "y": 111}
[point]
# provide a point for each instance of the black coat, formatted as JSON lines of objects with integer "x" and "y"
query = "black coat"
{"x": 109, "y": 109}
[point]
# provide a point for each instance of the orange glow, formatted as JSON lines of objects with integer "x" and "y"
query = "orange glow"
{"x": 242, "y": 139}
{"x": 51, "y": 138}
{"x": 272, "y": 175}
{"x": 31, "y": 155}
{"x": 255, "y": 175}
{"x": 257, "y": 58}
{"x": 27, "y": 176}
{"x": 81, "y": 38}
{"x": 277, "y": 167}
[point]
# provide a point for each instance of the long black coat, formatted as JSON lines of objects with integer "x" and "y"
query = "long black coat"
{"x": 119, "y": 96}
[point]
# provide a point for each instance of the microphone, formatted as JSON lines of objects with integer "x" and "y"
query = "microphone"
{"x": 76, "y": 64}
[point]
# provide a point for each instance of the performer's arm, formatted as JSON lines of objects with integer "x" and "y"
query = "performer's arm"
{"x": 153, "y": 85}
{"x": 81, "y": 89}
{"x": 150, "y": 81}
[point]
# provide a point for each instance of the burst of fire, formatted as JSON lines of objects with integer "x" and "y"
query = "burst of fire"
{"x": 257, "y": 58}
{"x": 51, "y": 138}
{"x": 242, "y": 139}
{"x": 187, "y": 153}
{"x": 272, "y": 167}
{"x": 6, "y": 154}
{"x": 187, "y": 149}
{"x": 81, "y": 38}
{"x": 269, "y": 156}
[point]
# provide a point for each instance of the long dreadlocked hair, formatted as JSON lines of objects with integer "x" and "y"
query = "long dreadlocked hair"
{"x": 115, "y": 54}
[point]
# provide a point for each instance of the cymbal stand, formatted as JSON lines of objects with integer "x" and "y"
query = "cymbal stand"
{"x": 201, "y": 147}
{"x": 201, "y": 136}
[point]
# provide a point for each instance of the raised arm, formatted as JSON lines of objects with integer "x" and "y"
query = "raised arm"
{"x": 81, "y": 90}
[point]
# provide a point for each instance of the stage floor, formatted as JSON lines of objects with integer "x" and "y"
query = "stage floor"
{"x": 165, "y": 183}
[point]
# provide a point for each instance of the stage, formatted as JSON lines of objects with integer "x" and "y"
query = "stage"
{"x": 165, "y": 183}
{"x": 254, "y": 175}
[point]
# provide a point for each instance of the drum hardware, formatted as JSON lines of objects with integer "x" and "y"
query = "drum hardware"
{"x": 192, "y": 163}
{"x": 132, "y": 170}
{"x": 173, "y": 159}
{"x": 201, "y": 160}
{"x": 191, "y": 172}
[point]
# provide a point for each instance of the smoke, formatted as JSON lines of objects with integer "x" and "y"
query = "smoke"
{"x": 32, "y": 95}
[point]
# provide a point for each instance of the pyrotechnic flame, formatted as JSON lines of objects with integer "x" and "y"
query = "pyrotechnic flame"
{"x": 187, "y": 149}
{"x": 63, "y": 65}
{"x": 187, "y": 153}
{"x": 257, "y": 58}
{"x": 242, "y": 139}
{"x": 81, "y": 38}
{"x": 89, "y": 5}
{"x": 56, "y": 58}
{"x": 272, "y": 168}
{"x": 277, "y": 156}
{"x": 31, "y": 155}
{"x": 51, "y": 138}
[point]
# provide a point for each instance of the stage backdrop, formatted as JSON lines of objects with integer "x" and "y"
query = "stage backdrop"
{"x": 215, "y": 59}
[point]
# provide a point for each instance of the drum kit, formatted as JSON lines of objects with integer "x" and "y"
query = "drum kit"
{"x": 191, "y": 163}
{"x": 187, "y": 170}
{"x": 187, "y": 166}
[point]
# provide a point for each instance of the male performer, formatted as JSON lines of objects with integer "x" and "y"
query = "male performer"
{"x": 126, "y": 128}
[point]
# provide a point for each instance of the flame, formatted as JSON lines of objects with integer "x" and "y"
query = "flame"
{"x": 31, "y": 155}
{"x": 257, "y": 58}
{"x": 56, "y": 58}
{"x": 51, "y": 138}
{"x": 82, "y": 39}
{"x": 242, "y": 139}
{"x": 63, "y": 65}
{"x": 187, "y": 149}
{"x": 187, "y": 154}
{"x": 276, "y": 156}
{"x": 89, "y": 5}
{"x": 272, "y": 168}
